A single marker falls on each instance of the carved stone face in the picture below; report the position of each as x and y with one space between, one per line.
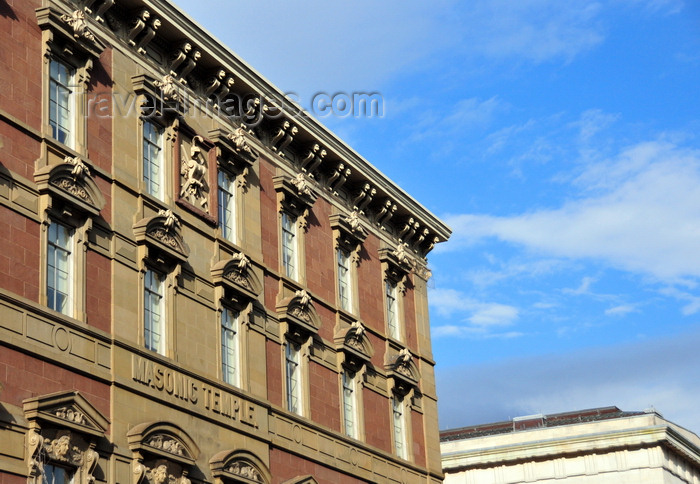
61 446
160 474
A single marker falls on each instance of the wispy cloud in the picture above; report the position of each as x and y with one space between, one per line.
638 212
474 318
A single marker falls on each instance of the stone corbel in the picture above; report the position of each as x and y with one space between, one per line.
183 61
35 460
338 178
148 34
408 230
215 82
283 138
385 214
313 160
138 472
364 198
101 10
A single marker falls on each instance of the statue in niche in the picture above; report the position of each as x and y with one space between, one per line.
193 172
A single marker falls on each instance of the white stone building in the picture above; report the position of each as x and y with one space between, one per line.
599 446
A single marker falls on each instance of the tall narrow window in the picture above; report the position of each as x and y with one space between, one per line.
154 313
344 280
230 367
293 377
62 102
289 245
399 424
392 317
153 159
59 280
56 475
227 222
350 406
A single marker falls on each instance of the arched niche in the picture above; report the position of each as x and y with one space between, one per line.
238 467
162 452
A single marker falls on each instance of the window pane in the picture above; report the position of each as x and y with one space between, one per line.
226 206
292 378
344 281
59 267
153 318
152 159
61 101
229 346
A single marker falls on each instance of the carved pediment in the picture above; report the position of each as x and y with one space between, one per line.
160 96
404 371
235 147
238 466
353 341
301 480
162 440
237 274
295 194
351 233
67 410
398 262
72 31
299 313
163 233
72 182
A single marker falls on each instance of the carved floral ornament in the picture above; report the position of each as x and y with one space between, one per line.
71 181
404 371
350 232
65 429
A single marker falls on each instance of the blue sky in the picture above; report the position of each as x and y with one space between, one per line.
560 142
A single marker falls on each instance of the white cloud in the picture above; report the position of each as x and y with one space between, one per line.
621 310
482 319
639 212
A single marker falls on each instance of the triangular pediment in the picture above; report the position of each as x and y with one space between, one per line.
68 410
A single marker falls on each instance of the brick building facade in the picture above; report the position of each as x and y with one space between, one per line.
198 282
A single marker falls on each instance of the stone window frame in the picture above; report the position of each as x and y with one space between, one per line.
238 467
402 402
354 354
349 234
237 287
67 38
64 430
162 453
299 324
295 198
396 266
68 195
235 157
162 249
160 104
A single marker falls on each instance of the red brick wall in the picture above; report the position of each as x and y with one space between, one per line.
99 122
268 216
98 289
274 372
371 287
19 257
12 479
377 422
418 438
409 316
285 466
320 257
25 376
20 66
19 151
324 398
